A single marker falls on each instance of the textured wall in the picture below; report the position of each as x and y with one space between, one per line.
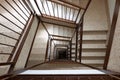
25 50
96 16
114 61
39 47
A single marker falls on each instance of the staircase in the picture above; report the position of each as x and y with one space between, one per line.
94 47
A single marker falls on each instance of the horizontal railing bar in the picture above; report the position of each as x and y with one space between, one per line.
20 8
61 40
10 29
12 14
7 44
56 18
8 36
6 53
15 10
24 7
60 36
11 22
7 63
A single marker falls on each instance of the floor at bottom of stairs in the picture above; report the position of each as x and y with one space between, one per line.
60 65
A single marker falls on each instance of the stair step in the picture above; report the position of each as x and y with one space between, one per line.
96 65
92 57
94 41
92 61
93 53
94 48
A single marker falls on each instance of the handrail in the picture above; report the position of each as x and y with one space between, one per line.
22 42
112 32
47 47
8 63
32 43
60 36
81 39
76 46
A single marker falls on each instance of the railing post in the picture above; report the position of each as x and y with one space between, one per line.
81 40
50 49
47 48
76 48
70 49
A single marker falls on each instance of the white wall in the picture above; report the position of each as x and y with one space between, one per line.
114 60
25 50
39 48
111 6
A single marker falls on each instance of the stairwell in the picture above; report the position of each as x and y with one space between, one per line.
41 35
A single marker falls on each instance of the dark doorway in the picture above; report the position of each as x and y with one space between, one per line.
62 54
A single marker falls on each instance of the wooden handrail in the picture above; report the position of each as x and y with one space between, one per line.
8 63
112 32
6 53
32 44
47 47
58 19
81 39
76 46
61 40
22 42
70 49
60 36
